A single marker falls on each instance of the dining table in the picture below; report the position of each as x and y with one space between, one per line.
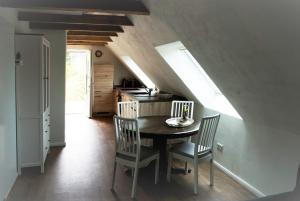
156 128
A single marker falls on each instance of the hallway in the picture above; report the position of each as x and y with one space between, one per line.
82 172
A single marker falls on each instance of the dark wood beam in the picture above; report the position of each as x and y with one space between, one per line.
86 43
85 27
109 6
75 19
94 38
91 33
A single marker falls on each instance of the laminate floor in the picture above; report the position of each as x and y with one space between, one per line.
82 171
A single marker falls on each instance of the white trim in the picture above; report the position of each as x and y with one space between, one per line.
10 189
34 164
245 184
57 144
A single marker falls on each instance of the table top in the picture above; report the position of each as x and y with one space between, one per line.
155 126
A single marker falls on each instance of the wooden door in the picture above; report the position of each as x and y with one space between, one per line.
103 89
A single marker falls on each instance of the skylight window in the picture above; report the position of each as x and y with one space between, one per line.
195 78
138 72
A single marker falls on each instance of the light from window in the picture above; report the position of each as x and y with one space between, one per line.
195 78
138 72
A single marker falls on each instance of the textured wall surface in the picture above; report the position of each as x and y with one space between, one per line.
250 49
8 147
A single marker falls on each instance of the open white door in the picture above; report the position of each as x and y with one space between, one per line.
88 99
78 82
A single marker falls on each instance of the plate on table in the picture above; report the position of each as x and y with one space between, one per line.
179 122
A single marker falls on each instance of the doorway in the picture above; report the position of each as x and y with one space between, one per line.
78 82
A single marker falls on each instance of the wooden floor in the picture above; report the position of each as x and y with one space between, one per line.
82 171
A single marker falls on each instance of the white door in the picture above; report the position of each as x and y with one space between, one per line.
78 82
87 99
46 102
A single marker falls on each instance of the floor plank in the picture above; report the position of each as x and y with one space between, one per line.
82 171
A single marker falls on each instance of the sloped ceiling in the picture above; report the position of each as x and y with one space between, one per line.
249 48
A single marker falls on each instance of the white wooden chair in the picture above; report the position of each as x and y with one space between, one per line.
178 107
177 110
129 151
199 151
131 110
128 109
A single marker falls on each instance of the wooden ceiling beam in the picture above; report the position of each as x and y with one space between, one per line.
109 6
85 27
94 38
86 43
91 33
75 19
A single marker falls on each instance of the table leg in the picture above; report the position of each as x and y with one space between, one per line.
160 143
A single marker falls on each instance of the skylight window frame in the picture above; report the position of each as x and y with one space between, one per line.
136 69
197 80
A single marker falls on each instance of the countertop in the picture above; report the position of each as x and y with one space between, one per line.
144 99
141 95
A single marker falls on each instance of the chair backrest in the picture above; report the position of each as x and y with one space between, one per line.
128 109
207 133
178 108
128 140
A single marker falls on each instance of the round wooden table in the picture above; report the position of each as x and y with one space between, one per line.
156 128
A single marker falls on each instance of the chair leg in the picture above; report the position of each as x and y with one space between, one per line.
212 172
157 170
186 168
114 176
133 191
195 178
169 167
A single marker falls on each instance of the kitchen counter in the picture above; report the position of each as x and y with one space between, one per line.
157 105
141 95
145 99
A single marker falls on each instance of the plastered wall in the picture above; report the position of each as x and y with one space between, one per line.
250 50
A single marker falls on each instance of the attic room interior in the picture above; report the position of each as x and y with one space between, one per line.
164 100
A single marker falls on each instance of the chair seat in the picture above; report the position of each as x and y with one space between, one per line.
187 149
146 152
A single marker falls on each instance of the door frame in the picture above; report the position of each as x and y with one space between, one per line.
90 70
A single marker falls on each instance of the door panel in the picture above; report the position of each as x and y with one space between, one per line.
88 108
103 88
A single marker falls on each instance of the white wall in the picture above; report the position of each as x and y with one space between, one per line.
121 71
8 162
251 51
8 147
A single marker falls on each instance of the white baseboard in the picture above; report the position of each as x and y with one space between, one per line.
245 184
10 189
26 165
57 144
